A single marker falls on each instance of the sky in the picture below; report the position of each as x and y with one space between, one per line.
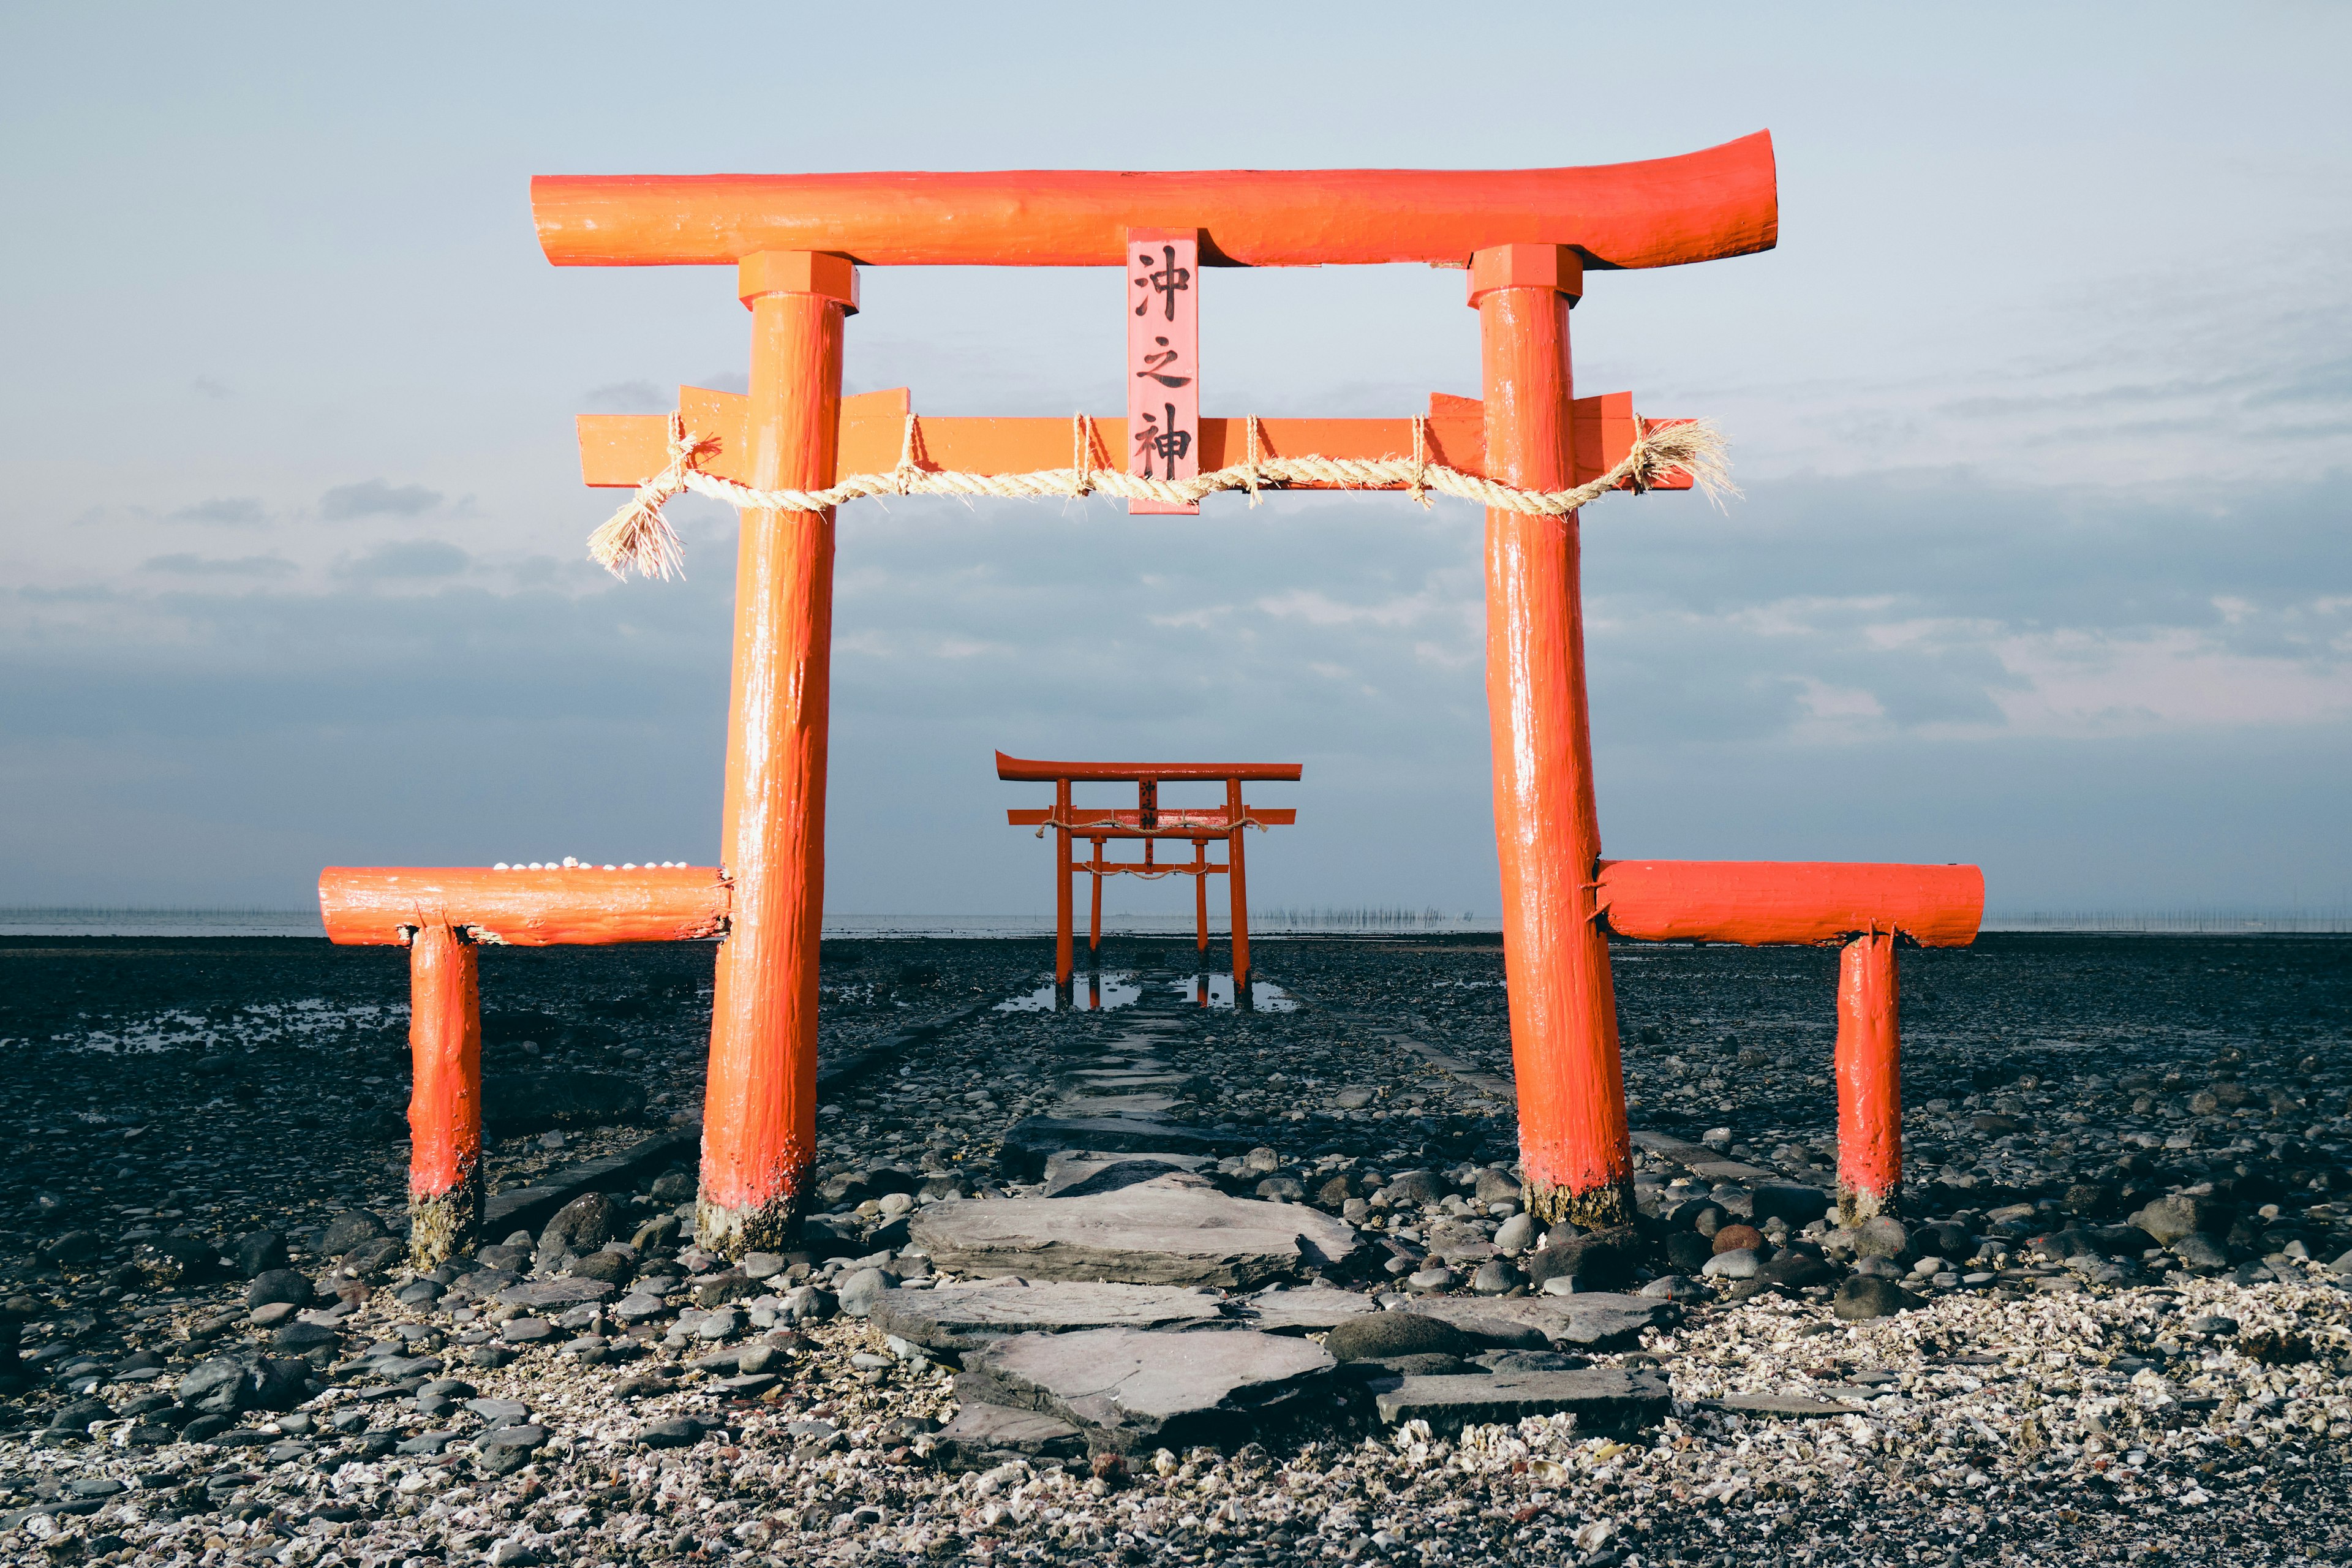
2041 408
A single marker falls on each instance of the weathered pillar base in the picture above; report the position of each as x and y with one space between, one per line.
1596 1208
729 1232
1856 1205
444 1224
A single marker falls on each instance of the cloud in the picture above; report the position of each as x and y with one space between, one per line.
205 387
213 566
242 512
407 560
373 497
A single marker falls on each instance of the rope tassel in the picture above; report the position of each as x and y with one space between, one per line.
639 536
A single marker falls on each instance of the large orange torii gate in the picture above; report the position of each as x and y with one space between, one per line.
1528 449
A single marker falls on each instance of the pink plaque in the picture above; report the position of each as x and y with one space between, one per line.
1163 358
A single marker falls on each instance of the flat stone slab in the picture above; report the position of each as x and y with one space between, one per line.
554 1292
1602 1398
1309 1311
1795 1407
979 1429
1117 1104
1127 1390
967 1317
1076 1173
1588 1319
1155 1233
1032 1138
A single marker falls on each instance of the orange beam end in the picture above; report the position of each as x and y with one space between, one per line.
1757 903
385 906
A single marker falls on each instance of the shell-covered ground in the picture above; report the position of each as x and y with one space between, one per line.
2173 1407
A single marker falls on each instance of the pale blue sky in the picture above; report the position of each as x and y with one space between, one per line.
2044 408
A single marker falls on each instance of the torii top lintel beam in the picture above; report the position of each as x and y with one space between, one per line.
1661 212
1024 769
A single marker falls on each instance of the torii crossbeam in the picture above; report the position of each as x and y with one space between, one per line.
1526 241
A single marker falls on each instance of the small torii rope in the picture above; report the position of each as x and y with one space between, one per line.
639 536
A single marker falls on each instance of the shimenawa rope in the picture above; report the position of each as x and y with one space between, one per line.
639 536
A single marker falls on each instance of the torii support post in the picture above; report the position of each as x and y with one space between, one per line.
1237 886
759 1115
1575 1158
1872 909
445 1103
1869 1079
443 916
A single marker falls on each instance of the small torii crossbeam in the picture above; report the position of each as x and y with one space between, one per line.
1151 823
1526 241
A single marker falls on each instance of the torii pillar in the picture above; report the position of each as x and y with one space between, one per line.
1575 1158
759 1118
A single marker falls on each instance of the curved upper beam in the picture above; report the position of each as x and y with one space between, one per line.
1661 212
1022 768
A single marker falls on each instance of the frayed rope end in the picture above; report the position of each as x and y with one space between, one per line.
1698 448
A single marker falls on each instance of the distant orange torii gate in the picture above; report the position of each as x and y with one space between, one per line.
1150 822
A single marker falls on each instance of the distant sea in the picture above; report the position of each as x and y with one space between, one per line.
263 922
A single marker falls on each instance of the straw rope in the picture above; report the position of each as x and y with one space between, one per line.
639 536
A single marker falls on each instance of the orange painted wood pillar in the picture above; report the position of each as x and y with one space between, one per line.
1237 887
1062 911
759 1119
1574 1155
1200 896
1869 1079
445 1102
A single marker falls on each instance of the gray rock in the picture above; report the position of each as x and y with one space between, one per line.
526 1331
582 1226
1797 1269
966 1317
724 1323
1129 1389
274 1285
1080 1173
1598 1260
979 1429
860 1291
1494 1276
371 1259
1157 1233
1493 1187
298 1339
1673 1288
1377 1336
500 1411
78 1415
679 1432
1276 1310
349 1229
2211 1323
2198 1250
1739 1263
554 1292
1415 1187
1882 1237
259 1252
1868 1296
2168 1219
1515 1233
524 1437
1603 1399
615 1268
1598 1320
